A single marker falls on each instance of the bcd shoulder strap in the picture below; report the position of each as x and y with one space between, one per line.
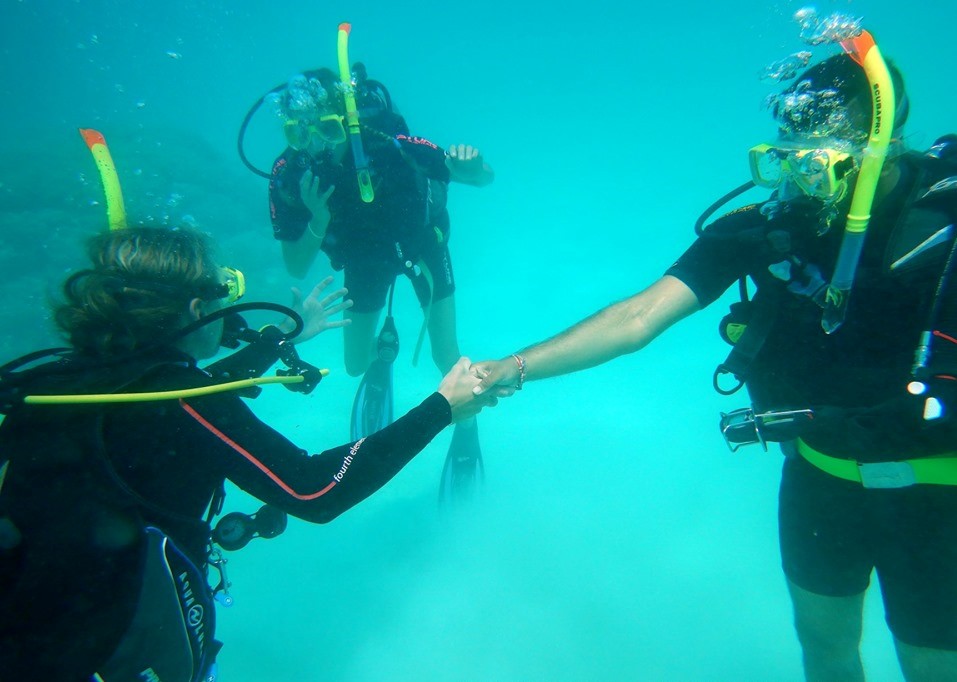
757 316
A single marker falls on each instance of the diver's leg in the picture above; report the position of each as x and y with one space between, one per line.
437 264
921 664
372 409
359 341
827 553
829 630
368 284
442 334
917 569
463 463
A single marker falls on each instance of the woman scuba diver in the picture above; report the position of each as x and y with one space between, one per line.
113 459
340 129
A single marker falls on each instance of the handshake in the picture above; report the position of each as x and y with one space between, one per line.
471 387
468 387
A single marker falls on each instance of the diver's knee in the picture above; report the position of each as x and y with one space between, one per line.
827 640
358 356
827 624
923 663
356 368
357 362
445 360
830 636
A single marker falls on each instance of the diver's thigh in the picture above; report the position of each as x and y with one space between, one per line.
825 532
917 564
368 282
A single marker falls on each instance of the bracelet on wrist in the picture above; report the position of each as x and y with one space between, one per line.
522 369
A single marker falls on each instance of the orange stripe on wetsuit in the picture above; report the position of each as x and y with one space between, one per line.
252 458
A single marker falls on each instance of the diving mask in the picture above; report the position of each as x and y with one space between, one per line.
232 287
820 173
329 130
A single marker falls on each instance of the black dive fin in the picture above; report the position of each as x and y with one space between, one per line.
372 409
463 470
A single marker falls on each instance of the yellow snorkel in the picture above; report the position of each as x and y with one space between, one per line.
352 116
115 211
862 50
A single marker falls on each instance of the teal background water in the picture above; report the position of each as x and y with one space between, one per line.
616 537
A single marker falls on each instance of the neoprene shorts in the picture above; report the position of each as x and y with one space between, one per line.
834 533
368 281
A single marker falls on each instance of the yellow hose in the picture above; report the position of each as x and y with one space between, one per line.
160 395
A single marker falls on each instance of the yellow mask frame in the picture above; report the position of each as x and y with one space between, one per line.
329 129
821 173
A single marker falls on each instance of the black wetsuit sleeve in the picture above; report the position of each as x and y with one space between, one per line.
288 214
426 156
318 487
719 257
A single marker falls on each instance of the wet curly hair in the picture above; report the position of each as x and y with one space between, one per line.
137 290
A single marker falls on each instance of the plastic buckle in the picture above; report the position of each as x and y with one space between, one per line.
885 475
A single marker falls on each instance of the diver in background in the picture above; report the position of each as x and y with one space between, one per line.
104 530
403 230
857 383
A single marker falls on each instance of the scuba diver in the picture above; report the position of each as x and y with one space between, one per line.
113 457
848 350
355 184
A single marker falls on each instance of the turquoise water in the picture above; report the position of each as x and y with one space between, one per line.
617 538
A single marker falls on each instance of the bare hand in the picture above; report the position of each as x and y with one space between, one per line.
316 309
317 202
498 378
465 164
458 388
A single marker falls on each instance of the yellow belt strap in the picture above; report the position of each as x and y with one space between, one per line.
935 470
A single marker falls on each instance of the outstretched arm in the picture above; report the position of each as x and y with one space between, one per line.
621 328
319 487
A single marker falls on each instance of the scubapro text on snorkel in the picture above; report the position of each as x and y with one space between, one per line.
878 109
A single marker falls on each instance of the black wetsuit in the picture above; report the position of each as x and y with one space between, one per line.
407 222
83 480
834 532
